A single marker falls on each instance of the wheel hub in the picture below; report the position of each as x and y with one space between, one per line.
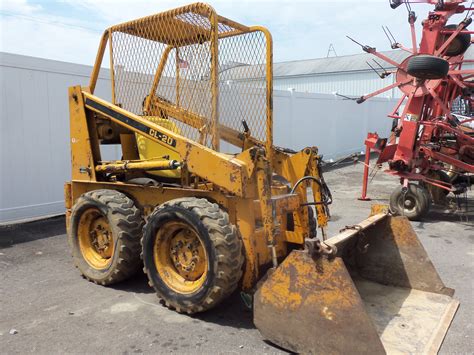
409 203
101 237
180 257
95 239
187 254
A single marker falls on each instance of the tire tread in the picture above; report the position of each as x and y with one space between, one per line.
229 252
128 219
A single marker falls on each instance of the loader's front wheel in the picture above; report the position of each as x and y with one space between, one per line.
192 254
105 236
414 203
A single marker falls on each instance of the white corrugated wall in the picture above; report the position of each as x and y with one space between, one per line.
349 84
344 83
34 126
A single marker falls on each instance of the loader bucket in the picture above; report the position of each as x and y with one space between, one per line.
379 294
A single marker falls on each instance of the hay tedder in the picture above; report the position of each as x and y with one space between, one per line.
431 150
202 197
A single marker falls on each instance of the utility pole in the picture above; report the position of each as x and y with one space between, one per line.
331 49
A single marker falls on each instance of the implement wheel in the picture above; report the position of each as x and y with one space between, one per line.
437 194
192 254
414 203
459 44
105 236
427 67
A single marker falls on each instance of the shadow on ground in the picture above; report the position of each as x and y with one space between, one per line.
232 312
26 232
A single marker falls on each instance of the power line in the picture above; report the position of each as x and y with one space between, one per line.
47 22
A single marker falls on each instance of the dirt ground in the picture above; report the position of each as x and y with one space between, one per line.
51 309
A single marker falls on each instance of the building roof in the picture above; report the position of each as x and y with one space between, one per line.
346 63
321 66
318 66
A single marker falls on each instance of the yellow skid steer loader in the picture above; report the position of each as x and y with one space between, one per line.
205 199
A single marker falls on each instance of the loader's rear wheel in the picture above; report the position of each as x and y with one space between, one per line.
192 254
105 236
414 203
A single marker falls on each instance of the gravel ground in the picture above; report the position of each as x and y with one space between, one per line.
54 310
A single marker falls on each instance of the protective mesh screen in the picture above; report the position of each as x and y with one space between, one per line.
242 85
169 55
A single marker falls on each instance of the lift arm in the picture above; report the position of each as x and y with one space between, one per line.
226 171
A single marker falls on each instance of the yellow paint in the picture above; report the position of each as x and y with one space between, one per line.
96 240
148 149
180 258
318 285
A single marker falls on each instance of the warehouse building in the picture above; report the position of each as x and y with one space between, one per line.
348 75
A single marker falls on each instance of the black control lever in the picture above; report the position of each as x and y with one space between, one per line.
246 127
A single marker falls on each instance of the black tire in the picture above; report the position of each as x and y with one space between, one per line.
442 176
460 43
437 193
218 237
126 224
427 67
414 204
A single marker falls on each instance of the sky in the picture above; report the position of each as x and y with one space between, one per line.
70 30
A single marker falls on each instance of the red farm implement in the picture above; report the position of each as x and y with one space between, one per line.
431 149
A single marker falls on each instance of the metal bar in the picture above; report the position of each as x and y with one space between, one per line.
399 103
365 179
123 166
385 58
459 82
231 23
448 41
343 237
156 79
267 208
98 62
112 68
451 31
449 160
441 104
269 96
462 71
196 121
451 129
403 48
438 183
378 92
178 60
215 139
413 37
322 216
